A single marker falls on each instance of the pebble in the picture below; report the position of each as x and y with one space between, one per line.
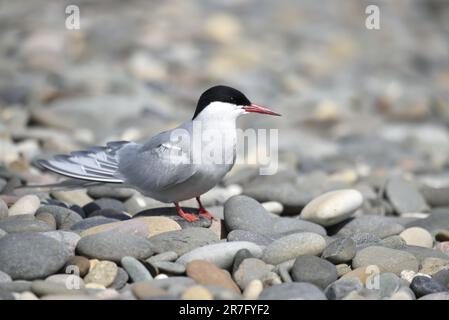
3 233
172 268
250 269
104 191
293 291
273 207
183 241
379 226
25 205
68 239
314 270
253 289
23 223
31 256
404 196
436 296
432 265
241 255
78 197
121 279
342 269
90 223
164 256
442 236
103 273
332 207
103 203
422 253
43 288
3 209
254 237
245 213
340 251
393 242
422 286
197 293
16 286
70 281
64 217
342 287
114 246
388 260
364 274
207 273
4 277
221 254
291 246
144 290
47 218
136 270
404 293
389 284
110 213
416 236
442 277
27 295
78 264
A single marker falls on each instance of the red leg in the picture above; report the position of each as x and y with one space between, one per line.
190 217
204 212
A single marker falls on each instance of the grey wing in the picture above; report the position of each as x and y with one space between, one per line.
98 164
158 164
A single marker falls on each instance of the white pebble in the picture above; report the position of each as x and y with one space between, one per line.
253 289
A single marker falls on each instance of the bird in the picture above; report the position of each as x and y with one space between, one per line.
162 167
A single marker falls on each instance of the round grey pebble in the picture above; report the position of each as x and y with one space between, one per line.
23 223
170 267
121 194
64 217
90 223
251 236
114 246
340 251
31 256
314 270
120 280
136 270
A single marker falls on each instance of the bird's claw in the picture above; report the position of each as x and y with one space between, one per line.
204 213
190 217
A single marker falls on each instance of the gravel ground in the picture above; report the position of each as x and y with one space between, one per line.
359 208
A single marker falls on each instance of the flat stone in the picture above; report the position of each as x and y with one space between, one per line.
422 253
164 256
47 218
377 225
245 213
388 260
253 289
104 203
25 205
365 274
436 296
43 288
114 246
442 277
220 254
70 281
292 246
312 269
170 267
332 207
183 241
121 194
393 242
16 286
206 273
432 265
389 284
30 256
434 223
292 291
144 291
23 223
64 217
78 196
416 236
103 273
254 237
110 213
136 270
363 240
404 196
91 222
340 250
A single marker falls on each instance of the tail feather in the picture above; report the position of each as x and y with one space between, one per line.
96 164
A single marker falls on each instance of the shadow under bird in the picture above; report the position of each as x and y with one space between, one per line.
162 168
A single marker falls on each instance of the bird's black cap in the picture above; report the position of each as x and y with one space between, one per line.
222 94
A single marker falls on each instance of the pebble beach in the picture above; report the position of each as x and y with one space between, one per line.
357 210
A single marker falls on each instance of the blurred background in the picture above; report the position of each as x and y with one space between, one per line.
355 102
